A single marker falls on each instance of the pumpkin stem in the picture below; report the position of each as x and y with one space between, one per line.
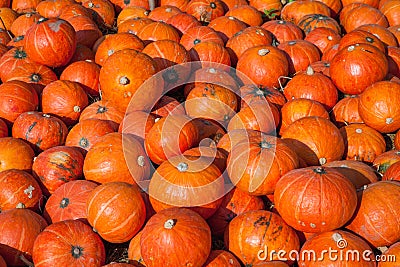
212 70
359 130
140 161
319 170
266 145
35 77
77 109
64 202
337 237
310 71
169 224
76 251
389 120
322 161
20 205
351 48
26 261
83 142
124 80
182 166
263 52
101 109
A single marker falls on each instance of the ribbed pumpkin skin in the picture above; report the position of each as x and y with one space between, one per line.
18 225
234 203
328 199
179 232
254 230
371 65
68 202
257 165
116 157
379 106
116 211
56 166
283 30
15 154
68 243
57 42
194 183
199 34
19 187
322 144
346 111
41 130
335 240
102 110
377 219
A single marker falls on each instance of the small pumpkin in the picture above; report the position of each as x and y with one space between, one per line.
221 258
103 110
205 10
345 111
15 154
199 34
283 30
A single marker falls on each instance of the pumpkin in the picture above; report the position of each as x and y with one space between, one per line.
300 54
251 93
21 24
86 73
42 131
209 131
16 97
252 232
233 137
246 13
357 172
102 10
169 137
211 102
388 9
120 85
379 106
86 133
12 59
24 6
175 230
341 241
299 108
315 187
247 38
167 105
390 256
360 15
8 16
182 22
212 154
321 66
323 38
119 4
227 26
221 258
384 34
158 30
15 154
65 99
68 202
205 10
103 110
263 65
19 224
283 30
134 253
393 56
359 36
248 174
260 116
313 146
121 217
370 62
51 8
56 166
346 112
312 21
117 42
293 12
195 183
116 157
272 7
133 25
131 12
35 74
163 13
385 160
330 52
362 142
210 54
68 243
86 29
70 11
198 34
367 222
392 173
57 42
19 188
312 85
138 124
233 204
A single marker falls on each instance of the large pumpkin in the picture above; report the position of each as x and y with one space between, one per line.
179 232
119 81
68 202
116 157
68 243
250 234
19 188
376 218
256 166
51 42
41 130
316 140
15 154
183 181
379 106
56 166
328 199
121 216
16 225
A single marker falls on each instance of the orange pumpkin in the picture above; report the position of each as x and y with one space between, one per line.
323 38
227 26
200 34
103 11
132 12
294 11
121 217
210 54
205 10
138 124
12 59
251 93
233 137
361 14
283 30
15 154
102 110
359 36
392 173
21 24
346 112
182 22
330 198
156 31
221 258
163 13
